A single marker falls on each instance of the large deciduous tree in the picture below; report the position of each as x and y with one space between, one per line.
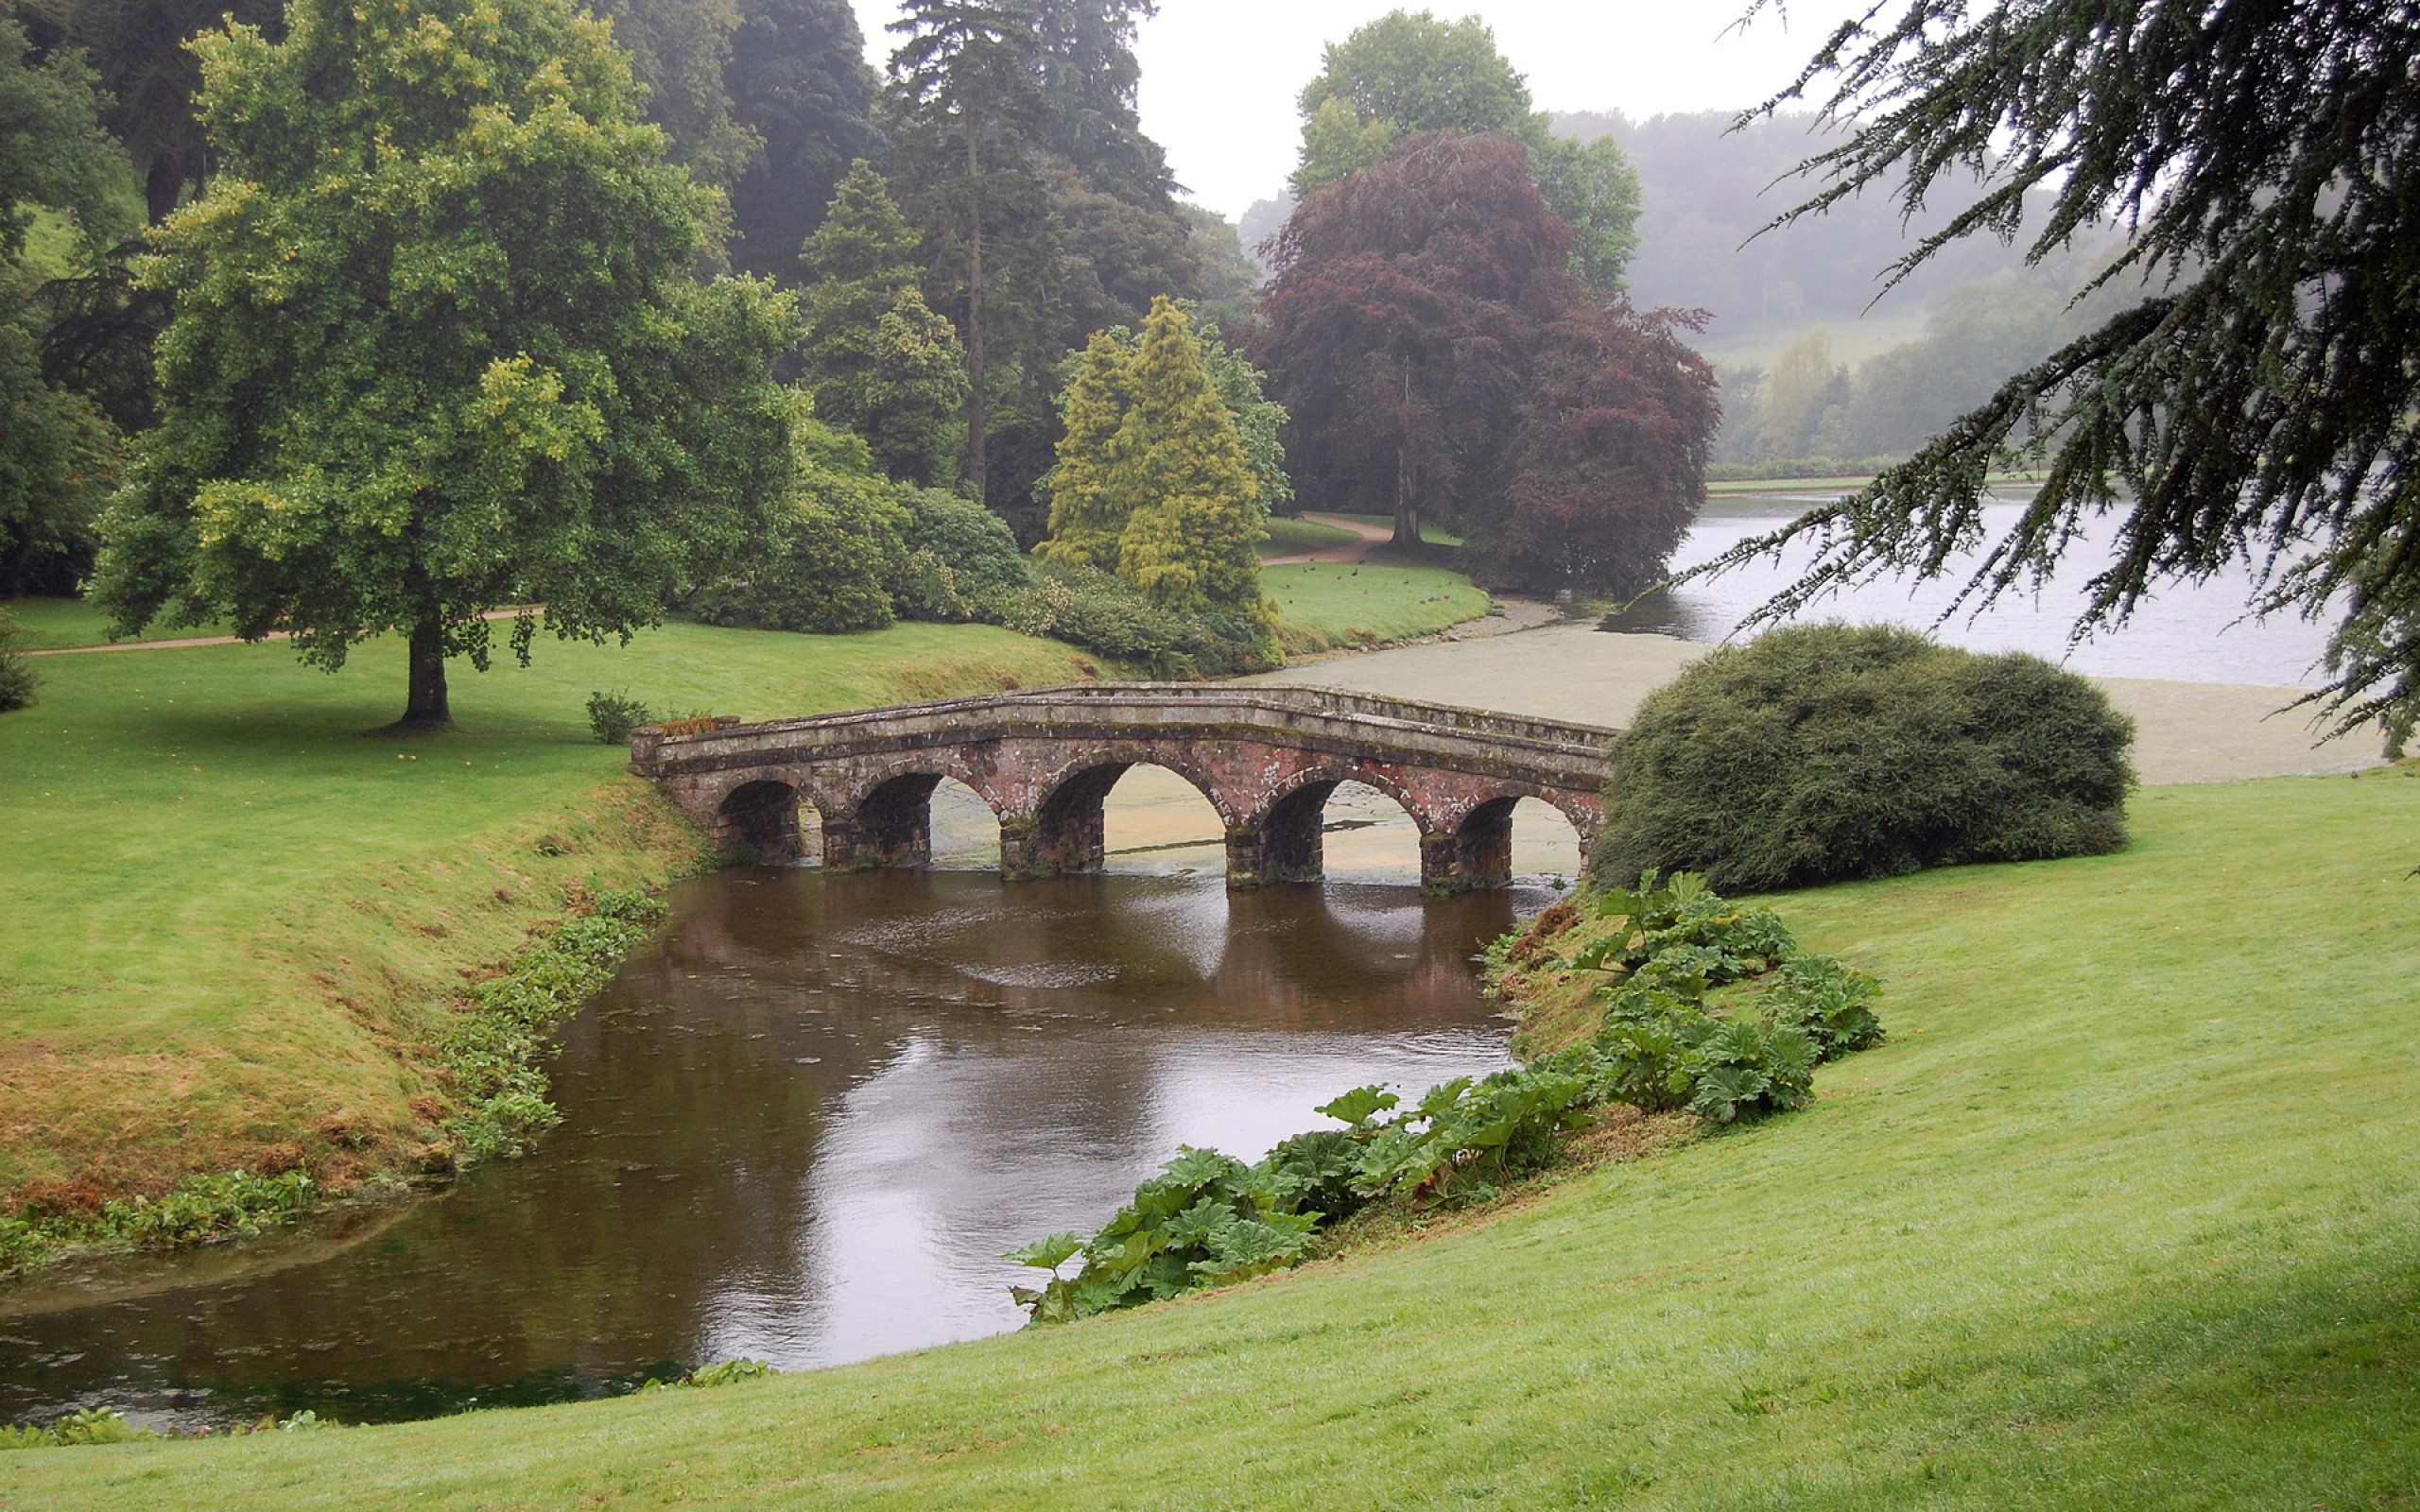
2255 401
1407 300
1408 72
437 347
57 453
1439 359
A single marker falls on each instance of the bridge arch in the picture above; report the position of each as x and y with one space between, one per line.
1066 830
1290 825
758 817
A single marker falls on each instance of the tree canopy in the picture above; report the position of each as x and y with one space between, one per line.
437 349
1153 483
2253 401
1408 72
1045 213
879 362
797 79
1439 359
57 453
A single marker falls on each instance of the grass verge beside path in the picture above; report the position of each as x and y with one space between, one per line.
49 623
2123 1216
1288 536
236 922
1324 605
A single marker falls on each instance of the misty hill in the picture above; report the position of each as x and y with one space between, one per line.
1707 191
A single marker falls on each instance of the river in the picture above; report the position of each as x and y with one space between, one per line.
803 1125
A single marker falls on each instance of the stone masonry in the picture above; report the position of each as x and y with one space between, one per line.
1267 758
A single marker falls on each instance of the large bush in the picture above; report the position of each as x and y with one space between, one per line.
962 560
826 557
1826 752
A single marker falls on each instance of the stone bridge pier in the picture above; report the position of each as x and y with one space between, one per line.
1267 758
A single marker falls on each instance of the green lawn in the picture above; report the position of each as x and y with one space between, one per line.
236 910
1288 537
1322 604
46 623
233 908
2124 1215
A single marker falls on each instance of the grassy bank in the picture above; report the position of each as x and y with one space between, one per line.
1321 606
2122 1215
238 922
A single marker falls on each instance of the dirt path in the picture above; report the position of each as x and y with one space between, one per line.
1372 537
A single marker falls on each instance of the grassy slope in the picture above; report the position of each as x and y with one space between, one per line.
230 911
1321 605
2123 1216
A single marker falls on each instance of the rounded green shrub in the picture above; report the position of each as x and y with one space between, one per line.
16 679
1826 752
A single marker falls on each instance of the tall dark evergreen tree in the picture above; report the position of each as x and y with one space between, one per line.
1085 52
968 112
2254 403
799 81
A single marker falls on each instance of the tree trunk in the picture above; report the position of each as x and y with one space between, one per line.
162 187
1406 505
426 704
974 397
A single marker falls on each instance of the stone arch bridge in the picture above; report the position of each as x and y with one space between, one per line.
1266 757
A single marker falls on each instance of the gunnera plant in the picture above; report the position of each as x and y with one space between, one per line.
1827 752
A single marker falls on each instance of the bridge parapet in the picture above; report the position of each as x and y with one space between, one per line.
1265 756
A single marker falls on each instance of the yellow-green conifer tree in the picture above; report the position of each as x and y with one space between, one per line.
1188 542
1091 494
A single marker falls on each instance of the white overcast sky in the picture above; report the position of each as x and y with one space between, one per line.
1219 77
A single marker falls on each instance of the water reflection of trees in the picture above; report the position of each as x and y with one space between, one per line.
677 1204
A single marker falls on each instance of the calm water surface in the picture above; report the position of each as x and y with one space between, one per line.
804 1125
2192 632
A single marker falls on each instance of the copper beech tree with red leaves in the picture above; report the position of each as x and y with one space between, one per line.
1439 362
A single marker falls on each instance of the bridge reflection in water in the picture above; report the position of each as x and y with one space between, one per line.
1267 758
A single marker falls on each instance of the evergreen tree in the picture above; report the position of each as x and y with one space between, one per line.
1152 481
966 108
2254 400
1189 542
439 349
879 362
798 80
1090 492
1085 50
679 49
